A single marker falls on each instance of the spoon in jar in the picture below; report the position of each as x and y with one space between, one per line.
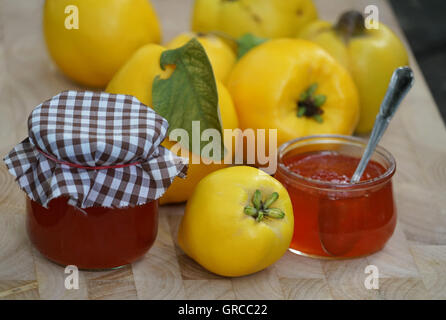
400 83
338 227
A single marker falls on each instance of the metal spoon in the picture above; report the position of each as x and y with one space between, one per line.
400 83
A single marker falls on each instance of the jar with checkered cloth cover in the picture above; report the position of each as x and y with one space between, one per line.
96 149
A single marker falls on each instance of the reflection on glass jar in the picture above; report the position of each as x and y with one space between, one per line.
333 217
92 238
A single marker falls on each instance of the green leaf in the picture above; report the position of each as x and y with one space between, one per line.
301 111
247 42
270 200
275 213
257 199
250 211
311 89
303 96
318 118
319 100
189 94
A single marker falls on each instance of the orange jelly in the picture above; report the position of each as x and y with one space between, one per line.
92 238
333 217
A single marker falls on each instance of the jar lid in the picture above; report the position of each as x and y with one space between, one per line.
97 149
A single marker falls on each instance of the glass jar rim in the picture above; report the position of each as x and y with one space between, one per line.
336 185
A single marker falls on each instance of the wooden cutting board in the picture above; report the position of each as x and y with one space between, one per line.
412 265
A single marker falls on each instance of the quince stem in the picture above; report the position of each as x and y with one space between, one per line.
309 104
350 24
261 209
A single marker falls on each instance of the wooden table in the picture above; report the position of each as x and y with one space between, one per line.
412 265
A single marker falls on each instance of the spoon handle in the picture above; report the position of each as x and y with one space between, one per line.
400 83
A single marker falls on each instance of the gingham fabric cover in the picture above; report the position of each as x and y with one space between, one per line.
94 129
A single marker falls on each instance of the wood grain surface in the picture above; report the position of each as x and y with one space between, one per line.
412 265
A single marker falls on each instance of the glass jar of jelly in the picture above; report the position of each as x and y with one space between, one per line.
93 169
335 218
92 238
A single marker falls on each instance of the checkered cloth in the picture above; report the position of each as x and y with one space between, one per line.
97 149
